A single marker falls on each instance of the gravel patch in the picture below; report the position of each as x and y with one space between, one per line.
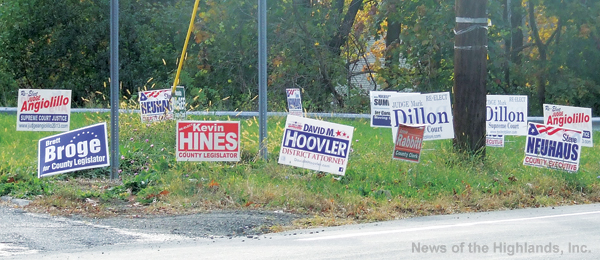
232 223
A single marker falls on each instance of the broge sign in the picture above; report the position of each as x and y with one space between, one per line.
80 149
208 141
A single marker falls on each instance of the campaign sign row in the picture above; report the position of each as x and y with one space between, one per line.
505 115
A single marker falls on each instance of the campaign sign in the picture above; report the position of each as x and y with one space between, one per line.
571 117
315 145
208 141
80 149
380 107
44 110
179 113
294 101
494 140
156 105
553 147
433 110
506 115
409 142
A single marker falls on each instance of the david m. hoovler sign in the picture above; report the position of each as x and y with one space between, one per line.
316 145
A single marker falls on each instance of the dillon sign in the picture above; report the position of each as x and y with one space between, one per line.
433 110
506 115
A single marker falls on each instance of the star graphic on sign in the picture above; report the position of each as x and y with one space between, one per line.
338 133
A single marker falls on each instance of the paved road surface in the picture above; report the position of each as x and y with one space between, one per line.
570 232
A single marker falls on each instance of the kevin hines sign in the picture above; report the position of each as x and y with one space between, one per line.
409 142
571 117
316 145
80 149
208 141
156 105
553 147
506 115
433 110
294 101
44 110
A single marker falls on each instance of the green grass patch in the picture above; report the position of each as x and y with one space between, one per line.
375 187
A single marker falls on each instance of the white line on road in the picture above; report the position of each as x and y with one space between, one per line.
444 226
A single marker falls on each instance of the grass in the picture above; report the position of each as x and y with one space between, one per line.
374 188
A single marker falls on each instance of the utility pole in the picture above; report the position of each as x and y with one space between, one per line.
470 72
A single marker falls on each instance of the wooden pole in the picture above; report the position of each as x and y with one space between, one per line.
470 72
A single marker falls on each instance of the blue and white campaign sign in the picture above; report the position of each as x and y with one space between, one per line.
316 145
571 117
294 100
44 110
380 107
506 115
80 149
156 105
433 110
553 147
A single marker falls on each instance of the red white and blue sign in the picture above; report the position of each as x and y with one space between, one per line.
316 145
294 100
553 147
80 149
156 105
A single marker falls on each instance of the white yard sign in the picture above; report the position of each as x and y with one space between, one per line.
294 100
44 110
316 145
506 115
571 117
433 110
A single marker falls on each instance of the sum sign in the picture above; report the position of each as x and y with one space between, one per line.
208 141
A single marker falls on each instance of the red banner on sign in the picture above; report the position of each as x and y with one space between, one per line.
409 141
208 141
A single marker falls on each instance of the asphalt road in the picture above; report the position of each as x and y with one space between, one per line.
570 232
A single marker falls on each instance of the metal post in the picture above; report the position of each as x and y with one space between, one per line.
262 77
114 89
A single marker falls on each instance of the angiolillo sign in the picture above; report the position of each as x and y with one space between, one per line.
44 110
80 149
